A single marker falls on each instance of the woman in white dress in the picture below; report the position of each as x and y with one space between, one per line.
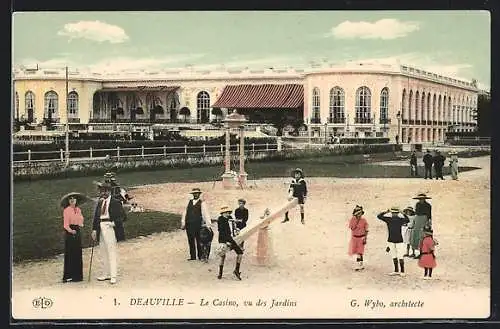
406 230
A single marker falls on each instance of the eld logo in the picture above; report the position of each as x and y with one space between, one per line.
42 302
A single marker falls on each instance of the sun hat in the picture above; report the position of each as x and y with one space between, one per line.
422 196
225 209
80 199
195 190
394 209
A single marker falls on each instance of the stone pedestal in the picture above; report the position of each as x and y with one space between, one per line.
263 252
228 180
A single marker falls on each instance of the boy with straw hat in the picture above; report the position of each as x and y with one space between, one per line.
226 242
395 220
359 232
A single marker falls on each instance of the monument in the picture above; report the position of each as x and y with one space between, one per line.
231 179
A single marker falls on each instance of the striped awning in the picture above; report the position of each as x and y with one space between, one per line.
261 96
142 88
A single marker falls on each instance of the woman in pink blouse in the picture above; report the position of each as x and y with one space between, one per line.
73 222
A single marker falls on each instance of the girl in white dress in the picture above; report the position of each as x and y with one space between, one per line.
407 229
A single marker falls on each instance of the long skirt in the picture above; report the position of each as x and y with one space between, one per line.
356 246
417 231
73 263
406 233
454 170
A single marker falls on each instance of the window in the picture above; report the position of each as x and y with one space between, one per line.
384 105
417 104
363 105
434 107
16 107
73 104
403 106
439 109
422 108
203 106
410 107
316 118
337 100
29 101
429 118
51 104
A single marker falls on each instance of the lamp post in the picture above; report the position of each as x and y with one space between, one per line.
67 120
398 116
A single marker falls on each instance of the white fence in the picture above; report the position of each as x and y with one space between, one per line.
29 156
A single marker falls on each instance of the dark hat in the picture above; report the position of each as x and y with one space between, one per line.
242 201
422 196
195 191
428 151
358 211
298 170
80 199
428 230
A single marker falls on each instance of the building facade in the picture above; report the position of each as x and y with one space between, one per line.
357 100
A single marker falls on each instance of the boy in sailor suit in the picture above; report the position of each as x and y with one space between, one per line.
297 189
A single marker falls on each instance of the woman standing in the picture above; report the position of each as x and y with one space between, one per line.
72 223
454 165
423 217
359 231
407 229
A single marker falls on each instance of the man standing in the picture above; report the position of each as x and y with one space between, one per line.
193 218
241 217
439 160
395 220
107 228
413 164
428 164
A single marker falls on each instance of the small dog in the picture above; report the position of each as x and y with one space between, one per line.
206 237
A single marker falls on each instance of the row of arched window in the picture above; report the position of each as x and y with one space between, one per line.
414 107
337 105
422 106
50 104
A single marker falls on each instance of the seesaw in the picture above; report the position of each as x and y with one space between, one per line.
261 226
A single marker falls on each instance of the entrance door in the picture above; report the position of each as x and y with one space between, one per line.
30 115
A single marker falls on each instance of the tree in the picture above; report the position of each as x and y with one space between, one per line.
483 114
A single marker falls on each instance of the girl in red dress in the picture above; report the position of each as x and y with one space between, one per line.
427 258
359 232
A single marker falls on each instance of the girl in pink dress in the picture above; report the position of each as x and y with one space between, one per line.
359 231
72 223
427 258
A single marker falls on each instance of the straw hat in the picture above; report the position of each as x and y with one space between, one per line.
80 199
409 210
422 196
225 209
195 191
394 209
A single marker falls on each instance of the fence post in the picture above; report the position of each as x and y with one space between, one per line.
253 147
91 152
204 149
237 148
62 155
221 148
267 146
164 150
142 151
29 156
185 149
118 152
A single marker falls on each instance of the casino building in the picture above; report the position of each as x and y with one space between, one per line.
355 99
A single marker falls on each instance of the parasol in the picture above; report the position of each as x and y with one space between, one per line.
80 199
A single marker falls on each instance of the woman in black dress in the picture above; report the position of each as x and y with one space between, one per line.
73 222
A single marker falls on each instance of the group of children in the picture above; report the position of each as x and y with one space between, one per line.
406 229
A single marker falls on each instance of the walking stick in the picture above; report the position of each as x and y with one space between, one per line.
91 257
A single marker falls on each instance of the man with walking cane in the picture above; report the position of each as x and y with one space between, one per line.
108 229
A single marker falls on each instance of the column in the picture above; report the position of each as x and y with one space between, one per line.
227 158
243 175
262 256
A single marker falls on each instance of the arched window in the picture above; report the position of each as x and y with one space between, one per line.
417 105
384 106
403 106
363 105
429 117
337 99
174 107
203 107
316 117
450 117
422 109
73 104
434 99
51 105
16 106
410 106
439 109
443 112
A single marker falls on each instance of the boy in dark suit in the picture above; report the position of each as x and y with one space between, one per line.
297 189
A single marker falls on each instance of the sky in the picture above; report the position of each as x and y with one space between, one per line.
453 43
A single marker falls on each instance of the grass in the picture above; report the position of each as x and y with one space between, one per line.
37 217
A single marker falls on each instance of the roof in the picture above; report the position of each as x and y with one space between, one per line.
142 88
261 96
